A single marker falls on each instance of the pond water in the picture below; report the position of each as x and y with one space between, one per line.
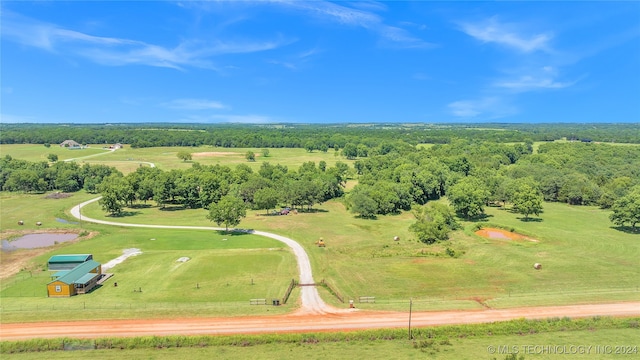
33 241
492 233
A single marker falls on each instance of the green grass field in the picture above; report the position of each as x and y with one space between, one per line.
225 270
38 152
128 159
584 258
599 341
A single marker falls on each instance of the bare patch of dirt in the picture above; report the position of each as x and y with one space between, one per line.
217 153
58 195
297 322
492 233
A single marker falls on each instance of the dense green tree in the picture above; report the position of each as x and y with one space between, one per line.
266 198
163 188
526 199
350 151
184 155
22 180
116 191
434 222
265 152
577 189
52 157
626 210
250 155
310 146
469 196
228 211
213 186
322 165
362 204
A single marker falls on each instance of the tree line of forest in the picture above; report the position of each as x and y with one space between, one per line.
393 177
311 137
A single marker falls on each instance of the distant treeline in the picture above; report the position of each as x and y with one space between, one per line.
312 137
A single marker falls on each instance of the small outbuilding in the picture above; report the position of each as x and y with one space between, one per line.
67 261
82 279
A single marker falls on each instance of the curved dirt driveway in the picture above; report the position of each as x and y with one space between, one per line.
319 317
311 301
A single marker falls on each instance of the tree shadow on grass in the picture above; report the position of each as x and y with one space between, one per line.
478 218
124 214
312 211
140 206
524 219
172 208
627 229
235 232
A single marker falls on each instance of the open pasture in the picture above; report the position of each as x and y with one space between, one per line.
223 273
128 159
38 152
584 259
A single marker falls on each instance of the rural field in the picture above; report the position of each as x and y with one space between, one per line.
584 260
129 159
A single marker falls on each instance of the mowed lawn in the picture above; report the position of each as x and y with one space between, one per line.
584 258
38 152
128 159
223 273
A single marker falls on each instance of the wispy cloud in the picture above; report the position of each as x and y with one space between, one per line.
195 104
531 69
362 17
295 61
507 34
527 83
487 107
117 51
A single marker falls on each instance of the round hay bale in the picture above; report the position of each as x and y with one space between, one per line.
537 266
396 238
20 222
38 223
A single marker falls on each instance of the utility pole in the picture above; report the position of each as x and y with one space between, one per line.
410 308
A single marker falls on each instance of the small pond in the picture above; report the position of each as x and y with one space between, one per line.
33 241
492 233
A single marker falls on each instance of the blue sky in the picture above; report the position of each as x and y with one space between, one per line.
319 62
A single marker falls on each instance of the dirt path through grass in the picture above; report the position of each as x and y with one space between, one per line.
312 303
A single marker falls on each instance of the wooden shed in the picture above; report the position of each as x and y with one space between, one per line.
80 280
67 261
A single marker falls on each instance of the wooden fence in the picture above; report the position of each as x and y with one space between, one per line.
332 290
285 298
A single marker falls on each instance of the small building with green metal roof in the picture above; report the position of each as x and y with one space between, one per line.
80 280
67 261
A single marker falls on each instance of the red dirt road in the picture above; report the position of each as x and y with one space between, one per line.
340 321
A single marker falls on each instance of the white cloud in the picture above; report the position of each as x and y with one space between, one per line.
530 79
510 35
117 52
195 104
358 17
487 107
527 83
